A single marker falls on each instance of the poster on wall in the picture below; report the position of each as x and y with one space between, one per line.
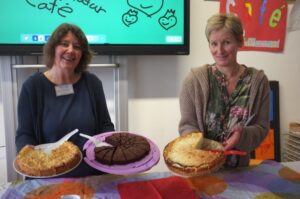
264 22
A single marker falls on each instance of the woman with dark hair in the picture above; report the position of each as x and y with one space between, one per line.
64 97
226 101
55 39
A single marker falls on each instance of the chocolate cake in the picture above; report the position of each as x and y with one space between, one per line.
126 148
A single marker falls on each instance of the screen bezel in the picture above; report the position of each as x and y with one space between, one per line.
115 49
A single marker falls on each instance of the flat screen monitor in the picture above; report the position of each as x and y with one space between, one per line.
118 27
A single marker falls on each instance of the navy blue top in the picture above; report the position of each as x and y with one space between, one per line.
44 117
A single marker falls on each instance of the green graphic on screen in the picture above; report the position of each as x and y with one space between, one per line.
103 21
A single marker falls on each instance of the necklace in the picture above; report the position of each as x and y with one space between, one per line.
234 73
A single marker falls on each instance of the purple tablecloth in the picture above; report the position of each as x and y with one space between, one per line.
267 180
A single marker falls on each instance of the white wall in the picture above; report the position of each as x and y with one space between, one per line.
155 81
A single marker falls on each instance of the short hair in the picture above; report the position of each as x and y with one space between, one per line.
55 39
230 22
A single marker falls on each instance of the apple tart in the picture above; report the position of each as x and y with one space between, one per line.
33 162
189 155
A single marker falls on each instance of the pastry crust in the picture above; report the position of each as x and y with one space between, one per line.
188 156
37 163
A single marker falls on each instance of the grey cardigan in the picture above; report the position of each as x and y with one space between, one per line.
193 104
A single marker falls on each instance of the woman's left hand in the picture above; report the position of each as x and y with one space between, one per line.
233 139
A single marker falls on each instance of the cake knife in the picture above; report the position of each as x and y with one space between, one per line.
98 143
48 147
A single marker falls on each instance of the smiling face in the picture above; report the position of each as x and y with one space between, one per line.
68 53
149 7
223 47
130 17
168 20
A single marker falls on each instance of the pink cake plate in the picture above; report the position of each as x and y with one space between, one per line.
142 165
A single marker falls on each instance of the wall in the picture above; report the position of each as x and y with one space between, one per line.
155 81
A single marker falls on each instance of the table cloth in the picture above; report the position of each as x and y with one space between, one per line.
269 179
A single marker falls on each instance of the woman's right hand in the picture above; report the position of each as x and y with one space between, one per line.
233 139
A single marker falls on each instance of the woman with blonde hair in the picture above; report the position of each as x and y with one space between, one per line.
226 101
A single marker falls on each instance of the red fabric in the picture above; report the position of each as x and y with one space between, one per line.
165 188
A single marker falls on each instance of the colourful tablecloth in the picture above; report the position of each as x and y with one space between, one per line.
268 180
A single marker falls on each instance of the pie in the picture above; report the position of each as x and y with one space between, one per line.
38 163
188 155
126 148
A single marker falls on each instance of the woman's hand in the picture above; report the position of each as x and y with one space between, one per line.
233 139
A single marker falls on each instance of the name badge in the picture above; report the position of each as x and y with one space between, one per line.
65 89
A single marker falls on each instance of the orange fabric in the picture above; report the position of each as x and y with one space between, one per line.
266 150
208 185
255 162
55 191
165 188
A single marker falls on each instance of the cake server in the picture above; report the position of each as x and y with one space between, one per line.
228 152
48 147
97 143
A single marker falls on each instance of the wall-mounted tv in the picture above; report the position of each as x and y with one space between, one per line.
118 27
